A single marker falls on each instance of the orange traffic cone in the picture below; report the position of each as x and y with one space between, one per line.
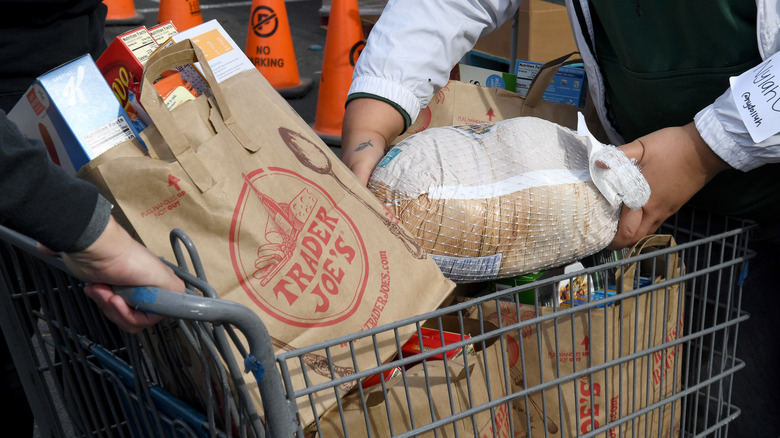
122 12
269 45
343 44
183 13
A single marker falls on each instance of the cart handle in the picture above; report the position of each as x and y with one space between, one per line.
279 413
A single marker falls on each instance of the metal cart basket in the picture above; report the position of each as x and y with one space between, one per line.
655 359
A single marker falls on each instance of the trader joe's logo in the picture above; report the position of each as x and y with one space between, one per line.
297 255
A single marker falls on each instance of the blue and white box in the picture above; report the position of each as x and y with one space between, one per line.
74 112
569 86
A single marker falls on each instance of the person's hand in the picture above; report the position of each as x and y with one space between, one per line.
115 258
117 310
369 125
677 163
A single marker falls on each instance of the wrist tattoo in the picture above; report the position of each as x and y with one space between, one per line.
364 145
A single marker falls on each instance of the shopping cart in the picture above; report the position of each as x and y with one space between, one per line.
84 377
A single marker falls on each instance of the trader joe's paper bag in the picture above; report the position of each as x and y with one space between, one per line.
562 346
282 226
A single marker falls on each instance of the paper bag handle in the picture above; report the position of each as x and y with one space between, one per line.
626 280
179 54
543 78
650 241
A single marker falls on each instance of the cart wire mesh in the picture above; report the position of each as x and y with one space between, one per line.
658 360
83 376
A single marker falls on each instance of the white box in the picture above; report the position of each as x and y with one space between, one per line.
74 112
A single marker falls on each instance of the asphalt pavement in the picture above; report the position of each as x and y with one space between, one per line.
306 28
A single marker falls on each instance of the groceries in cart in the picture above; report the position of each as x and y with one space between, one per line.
617 371
84 108
579 289
122 65
292 235
330 271
507 198
576 289
174 89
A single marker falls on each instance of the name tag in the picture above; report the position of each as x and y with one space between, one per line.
757 96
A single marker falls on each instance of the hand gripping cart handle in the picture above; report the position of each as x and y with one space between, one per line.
260 361
61 336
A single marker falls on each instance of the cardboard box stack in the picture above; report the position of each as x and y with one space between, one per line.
544 33
569 85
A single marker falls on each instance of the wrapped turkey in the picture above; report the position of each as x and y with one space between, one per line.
501 199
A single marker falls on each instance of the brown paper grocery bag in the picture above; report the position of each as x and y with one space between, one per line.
534 359
281 225
461 103
434 392
649 320
591 339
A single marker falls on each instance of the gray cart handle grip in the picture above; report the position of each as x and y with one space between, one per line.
279 414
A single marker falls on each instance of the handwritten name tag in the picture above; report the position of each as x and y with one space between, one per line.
757 96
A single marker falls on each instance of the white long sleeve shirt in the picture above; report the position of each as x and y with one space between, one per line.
415 44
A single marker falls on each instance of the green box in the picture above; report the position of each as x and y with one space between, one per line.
523 297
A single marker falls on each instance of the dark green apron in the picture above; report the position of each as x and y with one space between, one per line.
665 60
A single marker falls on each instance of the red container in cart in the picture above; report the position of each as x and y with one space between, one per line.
431 340
426 339
376 379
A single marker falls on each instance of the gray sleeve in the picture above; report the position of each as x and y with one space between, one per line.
97 224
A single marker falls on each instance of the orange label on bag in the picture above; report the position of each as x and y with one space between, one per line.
212 43
311 268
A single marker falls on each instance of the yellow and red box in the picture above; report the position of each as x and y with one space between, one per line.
122 65
163 31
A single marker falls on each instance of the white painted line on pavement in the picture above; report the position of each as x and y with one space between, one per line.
210 6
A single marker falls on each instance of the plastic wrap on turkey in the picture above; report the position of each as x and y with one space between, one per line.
497 200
